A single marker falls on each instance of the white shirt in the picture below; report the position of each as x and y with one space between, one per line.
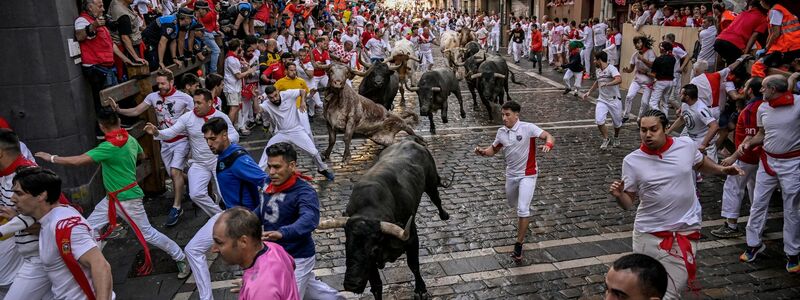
704 88
519 147
781 127
641 69
359 20
678 53
376 48
352 38
707 38
495 26
169 109
599 33
667 198
231 84
608 93
286 116
284 43
588 37
26 244
63 283
696 118
192 126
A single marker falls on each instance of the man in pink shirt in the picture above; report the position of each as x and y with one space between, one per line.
268 269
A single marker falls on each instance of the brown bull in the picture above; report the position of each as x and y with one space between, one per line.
347 111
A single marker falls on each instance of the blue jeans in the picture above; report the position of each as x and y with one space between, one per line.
208 40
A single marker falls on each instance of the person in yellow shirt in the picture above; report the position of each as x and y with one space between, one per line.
346 16
292 82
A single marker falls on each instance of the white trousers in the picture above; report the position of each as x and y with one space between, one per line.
196 255
200 176
305 123
586 57
308 286
519 194
578 77
135 210
659 97
10 261
301 140
606 107
245 114
427 59
494 41
733 190
317 82
633 90
676 88
788 177
648 244
526 46
31 282
516 50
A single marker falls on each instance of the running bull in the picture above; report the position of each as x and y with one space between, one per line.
492 80
379 224
433 89
380 83
347 111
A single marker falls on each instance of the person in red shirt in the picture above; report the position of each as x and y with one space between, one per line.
277 70
368 34
320 58
747 160
536 47
749 26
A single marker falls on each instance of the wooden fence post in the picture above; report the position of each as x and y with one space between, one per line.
153 184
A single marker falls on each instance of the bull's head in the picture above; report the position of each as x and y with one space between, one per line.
381 73
455 56
488 82
338 75
365 241
472 63
425 93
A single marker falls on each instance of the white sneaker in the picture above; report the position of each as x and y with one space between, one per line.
616 142
605 143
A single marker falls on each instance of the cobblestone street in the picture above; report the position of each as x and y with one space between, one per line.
577 228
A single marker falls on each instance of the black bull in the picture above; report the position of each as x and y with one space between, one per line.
489 76
380 84
433 89
384 199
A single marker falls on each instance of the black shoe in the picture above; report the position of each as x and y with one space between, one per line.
566 91
517 254
625 119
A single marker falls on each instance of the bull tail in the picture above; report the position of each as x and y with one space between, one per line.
449 183
514 79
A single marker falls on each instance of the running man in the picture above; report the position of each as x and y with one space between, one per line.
668 210
117 156
169 104
517 140
609 100
36 194
285 116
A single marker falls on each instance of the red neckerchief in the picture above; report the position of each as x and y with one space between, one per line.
231 53
170 93
117 137
660 151
20 161
783 100
207 115
274 189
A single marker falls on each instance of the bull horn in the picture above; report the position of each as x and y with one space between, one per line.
436 89
396 231
388 59
498 75
458 64
363 62
393 67
357 72
475 76
410 88
446 50
337 222
414 58
480 60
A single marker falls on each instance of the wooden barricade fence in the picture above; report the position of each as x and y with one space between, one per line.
148 171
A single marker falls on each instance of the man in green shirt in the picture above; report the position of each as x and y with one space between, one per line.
117 156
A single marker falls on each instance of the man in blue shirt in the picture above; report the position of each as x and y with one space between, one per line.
239 179
289 212
163 33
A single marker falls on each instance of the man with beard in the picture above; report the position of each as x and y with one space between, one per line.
669 212
285 116
289 213
239 179
169 104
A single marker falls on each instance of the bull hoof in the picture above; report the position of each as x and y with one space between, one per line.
444 216
463 114
421 295
444 120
